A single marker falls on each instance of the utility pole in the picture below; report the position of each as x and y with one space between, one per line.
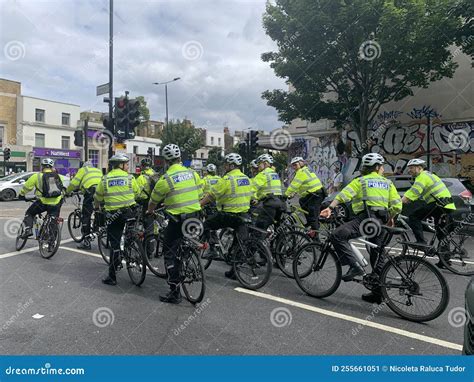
86 143
111 68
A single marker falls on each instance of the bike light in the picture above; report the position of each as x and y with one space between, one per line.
205 246
466 196
60 220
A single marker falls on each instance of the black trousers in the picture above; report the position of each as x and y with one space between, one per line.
147 219
38 208
115 224
351 230
172 236
271 210
224 220
417 212
87 209
312 204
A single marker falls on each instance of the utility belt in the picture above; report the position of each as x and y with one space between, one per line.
375 212
179 218
319 193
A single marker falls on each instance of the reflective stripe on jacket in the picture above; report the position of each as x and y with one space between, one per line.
426 185
233 192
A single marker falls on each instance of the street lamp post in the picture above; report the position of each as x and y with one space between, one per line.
166 94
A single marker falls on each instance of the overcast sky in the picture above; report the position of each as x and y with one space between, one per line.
58 50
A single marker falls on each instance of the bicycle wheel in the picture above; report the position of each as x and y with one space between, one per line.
254 268
21 238
457 258
192 276
287 245
74 225
104 246
317 273
413 288
49 239
136 263
155 260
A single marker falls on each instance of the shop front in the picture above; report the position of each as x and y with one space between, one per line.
66 162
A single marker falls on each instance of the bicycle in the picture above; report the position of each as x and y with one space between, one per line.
402 279
47 230
74 222
154 245
250 259
131 250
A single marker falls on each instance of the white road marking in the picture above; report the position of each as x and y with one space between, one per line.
82 252
375 325
32 249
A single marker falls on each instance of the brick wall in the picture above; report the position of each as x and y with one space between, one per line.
9 90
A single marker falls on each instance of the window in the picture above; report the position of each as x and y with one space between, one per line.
39 140
135 149
219 141
94 157
212 140
66 119
202 155
2 129
65 143
39 115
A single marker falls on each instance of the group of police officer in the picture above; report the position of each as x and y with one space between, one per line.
183 194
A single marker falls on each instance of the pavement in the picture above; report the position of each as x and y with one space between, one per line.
60 306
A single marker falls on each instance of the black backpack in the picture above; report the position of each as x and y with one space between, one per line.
52 185
152 179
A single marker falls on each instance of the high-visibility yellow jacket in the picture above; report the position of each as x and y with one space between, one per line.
117 189
233 192
426 185
209 182
267 182
304 182
85 178
180 188
144 182
377 191
35 181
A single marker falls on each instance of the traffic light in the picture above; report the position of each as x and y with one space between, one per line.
120 117
253 141
150 151
133 114
6 154
78 138
108 123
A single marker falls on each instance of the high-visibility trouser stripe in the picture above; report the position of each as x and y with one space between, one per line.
182 204
119 193
124 203
183 190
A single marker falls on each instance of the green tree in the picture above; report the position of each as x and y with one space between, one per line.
465 35
144 111
185 135
280 161
346 58
215 157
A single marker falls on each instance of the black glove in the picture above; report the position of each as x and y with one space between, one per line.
21 197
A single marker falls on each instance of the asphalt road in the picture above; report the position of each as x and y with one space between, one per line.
60 306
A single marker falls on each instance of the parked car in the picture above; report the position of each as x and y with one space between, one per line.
468 348
462 197
11 185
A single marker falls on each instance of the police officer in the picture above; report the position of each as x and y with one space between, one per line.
232 194
179 187
310 189
374 201
52 205
146 184
267 186
254 168
86 180
421 202
118 191
211 178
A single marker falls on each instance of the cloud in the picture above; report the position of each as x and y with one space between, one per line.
66 56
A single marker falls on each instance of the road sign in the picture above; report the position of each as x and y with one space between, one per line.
103 89
120 147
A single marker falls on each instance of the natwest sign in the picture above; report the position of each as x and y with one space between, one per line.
55 153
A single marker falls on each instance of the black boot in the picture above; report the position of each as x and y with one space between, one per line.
354 270
109 281
230 274
86 244
172 297
373 297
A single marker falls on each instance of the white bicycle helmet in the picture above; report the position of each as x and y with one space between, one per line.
416 162
296 160
233 158
254 164
265 158
119 158
372 159
47 162
171 151
88 164
211 168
